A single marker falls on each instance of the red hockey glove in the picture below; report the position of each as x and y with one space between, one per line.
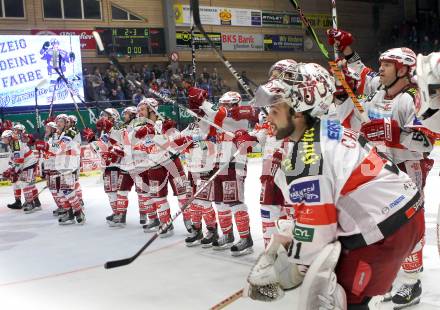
384 129
144 130
196 97
49 119
340 37
116 151
41 145
239 113
187 141
103 124
28 139
6 125
88 134
243 137
11 174
168 124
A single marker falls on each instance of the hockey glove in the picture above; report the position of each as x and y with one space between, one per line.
196 97
104 124
41 145
145 130
244 141
239 113
88 134
383 130
340 38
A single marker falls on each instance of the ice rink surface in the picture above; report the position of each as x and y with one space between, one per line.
45 266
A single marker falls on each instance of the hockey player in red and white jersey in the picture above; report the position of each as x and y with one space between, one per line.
67 154
73 125
50 173
391 101
347 195
155 166
428 80
22 167
200 164
229 185
110 151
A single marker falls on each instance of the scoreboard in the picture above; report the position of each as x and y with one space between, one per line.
132 41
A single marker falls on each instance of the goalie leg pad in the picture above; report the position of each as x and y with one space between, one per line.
320 287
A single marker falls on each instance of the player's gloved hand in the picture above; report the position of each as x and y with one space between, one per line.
11 174
88 134
6 125
104 124
340 38
72 56
243 112
49 119
41 145
196 97
385 130
243 140
46 45
168 124
7 173
144 130
29 139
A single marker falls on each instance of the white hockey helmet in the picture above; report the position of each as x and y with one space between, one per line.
279 67
111 113
150 102
131 110
62 116
52 125
73 119
400 56
230 98
7 134
428 80
19 127
303 86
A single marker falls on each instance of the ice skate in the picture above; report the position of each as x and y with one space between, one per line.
224 242
211 236
167 233
242 247
66 217
15 205
194 238
407 295
151 226
119 220
80 217
30 207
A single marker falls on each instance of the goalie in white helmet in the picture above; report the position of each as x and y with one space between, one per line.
342 189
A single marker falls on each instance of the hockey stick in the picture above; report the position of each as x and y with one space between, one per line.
438 230
37 109
335 24
228 300
164 227
336 70
197 22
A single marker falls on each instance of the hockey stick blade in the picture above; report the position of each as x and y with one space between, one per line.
98 41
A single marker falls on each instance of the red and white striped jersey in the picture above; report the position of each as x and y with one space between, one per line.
21 155
342 188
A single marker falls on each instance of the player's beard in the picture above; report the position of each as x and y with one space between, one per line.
285 132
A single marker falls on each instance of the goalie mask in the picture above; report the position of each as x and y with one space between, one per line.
428 80
304 87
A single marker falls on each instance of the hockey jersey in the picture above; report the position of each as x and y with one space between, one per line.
378 105
21 155
342 188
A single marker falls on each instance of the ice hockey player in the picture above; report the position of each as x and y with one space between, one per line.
428 80
73 125
23 168
151 148
67 152
51 175
200 164
347 195
391 101
228 186
110 151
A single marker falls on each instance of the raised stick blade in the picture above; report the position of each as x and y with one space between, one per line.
98 41
117 263
196 12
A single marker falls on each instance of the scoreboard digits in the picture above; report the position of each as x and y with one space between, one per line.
132 41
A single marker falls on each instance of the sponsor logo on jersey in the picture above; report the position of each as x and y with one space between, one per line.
306 191
265 214
304 234
333 130
393 204
309 156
